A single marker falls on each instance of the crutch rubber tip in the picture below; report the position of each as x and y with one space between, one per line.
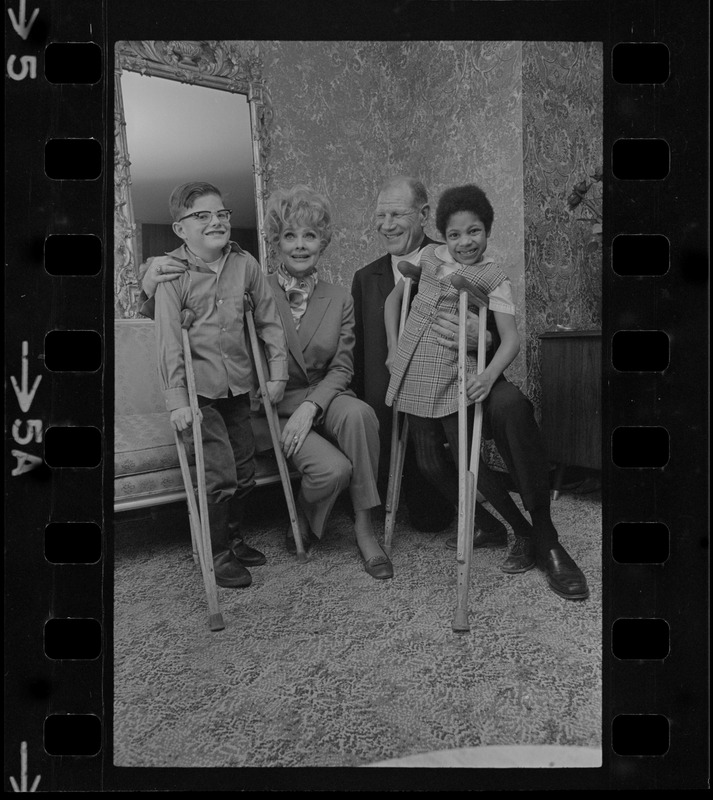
216 623
302 558
460 624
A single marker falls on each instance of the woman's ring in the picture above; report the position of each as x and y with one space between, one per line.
159 269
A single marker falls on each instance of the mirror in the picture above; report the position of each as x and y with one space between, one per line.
184 111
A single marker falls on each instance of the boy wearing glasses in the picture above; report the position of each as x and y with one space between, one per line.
209 274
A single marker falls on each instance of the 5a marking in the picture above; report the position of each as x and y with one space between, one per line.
33 427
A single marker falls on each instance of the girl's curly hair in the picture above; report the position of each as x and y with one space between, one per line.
464 198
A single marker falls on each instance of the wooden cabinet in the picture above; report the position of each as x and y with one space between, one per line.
571 368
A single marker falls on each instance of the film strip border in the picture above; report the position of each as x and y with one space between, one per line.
55 356
654 520
58 302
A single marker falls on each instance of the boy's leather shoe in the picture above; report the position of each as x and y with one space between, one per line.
564 577
229 573
521 557
247 555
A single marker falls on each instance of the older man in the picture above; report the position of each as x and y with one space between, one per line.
401 214
402 211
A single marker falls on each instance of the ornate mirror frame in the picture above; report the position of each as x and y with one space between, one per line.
229 66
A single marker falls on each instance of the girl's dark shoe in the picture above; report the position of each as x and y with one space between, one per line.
521 557
489 531
486 523
482 538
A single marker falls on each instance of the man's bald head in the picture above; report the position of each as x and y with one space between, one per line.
418 191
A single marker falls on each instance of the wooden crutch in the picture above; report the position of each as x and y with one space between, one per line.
274 426
198 515
467 475
399 422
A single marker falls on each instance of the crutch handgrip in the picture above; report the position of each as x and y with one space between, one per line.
187 318
409 270
475 295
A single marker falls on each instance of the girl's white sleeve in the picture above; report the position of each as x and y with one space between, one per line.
501 298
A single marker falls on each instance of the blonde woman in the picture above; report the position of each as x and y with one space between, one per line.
329 434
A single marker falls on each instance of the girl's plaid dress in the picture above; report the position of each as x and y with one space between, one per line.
424 376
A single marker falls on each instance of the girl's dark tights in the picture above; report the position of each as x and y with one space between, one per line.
426 435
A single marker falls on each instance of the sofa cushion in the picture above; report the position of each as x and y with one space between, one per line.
149 484
145 443
136 385
157 485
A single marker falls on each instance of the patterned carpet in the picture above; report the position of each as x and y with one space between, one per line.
320 665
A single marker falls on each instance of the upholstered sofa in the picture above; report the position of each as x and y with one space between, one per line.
146 469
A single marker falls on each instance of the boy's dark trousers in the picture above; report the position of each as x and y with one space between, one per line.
229 457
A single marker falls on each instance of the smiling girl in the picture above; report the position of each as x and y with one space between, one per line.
424 372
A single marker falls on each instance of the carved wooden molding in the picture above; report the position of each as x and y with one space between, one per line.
229 66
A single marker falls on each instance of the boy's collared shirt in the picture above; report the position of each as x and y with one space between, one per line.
219 344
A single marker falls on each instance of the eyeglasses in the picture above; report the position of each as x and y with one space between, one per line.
206 216
396 216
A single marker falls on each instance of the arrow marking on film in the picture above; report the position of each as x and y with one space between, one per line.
25 397
23 773
19 22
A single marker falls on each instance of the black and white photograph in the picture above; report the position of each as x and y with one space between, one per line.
356 628
356 395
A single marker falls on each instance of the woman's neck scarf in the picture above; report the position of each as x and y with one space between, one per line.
297 290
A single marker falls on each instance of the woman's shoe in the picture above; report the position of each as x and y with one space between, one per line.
379 567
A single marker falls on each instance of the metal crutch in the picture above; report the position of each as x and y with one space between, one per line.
274 426
467 475
198 516
399 438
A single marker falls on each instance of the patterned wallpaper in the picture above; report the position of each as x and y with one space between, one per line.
562 132
347 115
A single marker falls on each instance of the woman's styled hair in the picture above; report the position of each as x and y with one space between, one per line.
298 207
464 198
185 195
